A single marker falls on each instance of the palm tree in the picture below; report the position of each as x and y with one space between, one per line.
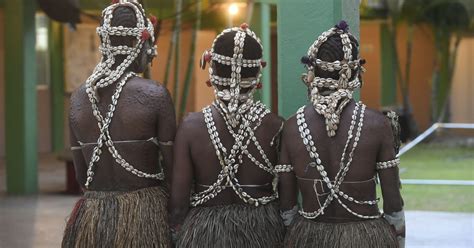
409 12
449 20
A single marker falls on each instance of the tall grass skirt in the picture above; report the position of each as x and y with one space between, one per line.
119 219
232 226
358 234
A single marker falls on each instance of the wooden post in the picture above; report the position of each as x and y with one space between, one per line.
300 22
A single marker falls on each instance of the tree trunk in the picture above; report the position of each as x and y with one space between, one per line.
190 69
177 57
446 82
169 58
403 80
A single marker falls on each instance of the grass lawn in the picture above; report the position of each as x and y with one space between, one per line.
438 162
435 161
439 198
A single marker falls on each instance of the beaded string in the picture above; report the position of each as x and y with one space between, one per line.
143 31
280 168
240 112
259 111
335 191
231 101
331 106
231 161
387 164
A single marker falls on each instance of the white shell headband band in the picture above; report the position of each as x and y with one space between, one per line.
345 66
103 71
143 32
209 56
331 105
230 100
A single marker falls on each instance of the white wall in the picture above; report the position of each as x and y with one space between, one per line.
462 100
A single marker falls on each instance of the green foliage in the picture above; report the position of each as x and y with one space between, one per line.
448 19
450 16
412 11
190 69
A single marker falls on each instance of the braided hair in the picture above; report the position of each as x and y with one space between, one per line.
334 71
125 16
225 45
330 51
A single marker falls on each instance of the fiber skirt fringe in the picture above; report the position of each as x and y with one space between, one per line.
231 226
364 234
119 219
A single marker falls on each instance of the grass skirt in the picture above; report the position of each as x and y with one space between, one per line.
119 219
364 234
230 226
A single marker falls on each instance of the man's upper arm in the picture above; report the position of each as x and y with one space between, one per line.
77 155
389 177
287 180
166 130
390 183
167 116
181 176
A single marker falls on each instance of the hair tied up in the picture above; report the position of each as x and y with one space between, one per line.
306 60
205 58
153 20
343 26
145 35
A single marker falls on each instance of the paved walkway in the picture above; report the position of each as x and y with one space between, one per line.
39 222
439 229
33 221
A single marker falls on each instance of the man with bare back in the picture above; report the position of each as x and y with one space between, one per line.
122 130
223 190
332 152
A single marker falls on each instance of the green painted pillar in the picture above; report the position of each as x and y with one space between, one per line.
256 26
300 22
388 77
57 84
267 49
20 97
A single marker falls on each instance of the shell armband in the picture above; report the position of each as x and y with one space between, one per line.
387 164
283 168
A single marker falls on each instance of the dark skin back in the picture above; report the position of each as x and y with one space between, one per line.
144 110
376 144
196 162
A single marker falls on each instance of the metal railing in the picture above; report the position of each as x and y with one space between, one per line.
423 136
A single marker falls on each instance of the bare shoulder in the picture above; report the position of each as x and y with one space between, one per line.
290 128
151 94
149 87
377 122
273 120
78 100
78 94
374 118
192 122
